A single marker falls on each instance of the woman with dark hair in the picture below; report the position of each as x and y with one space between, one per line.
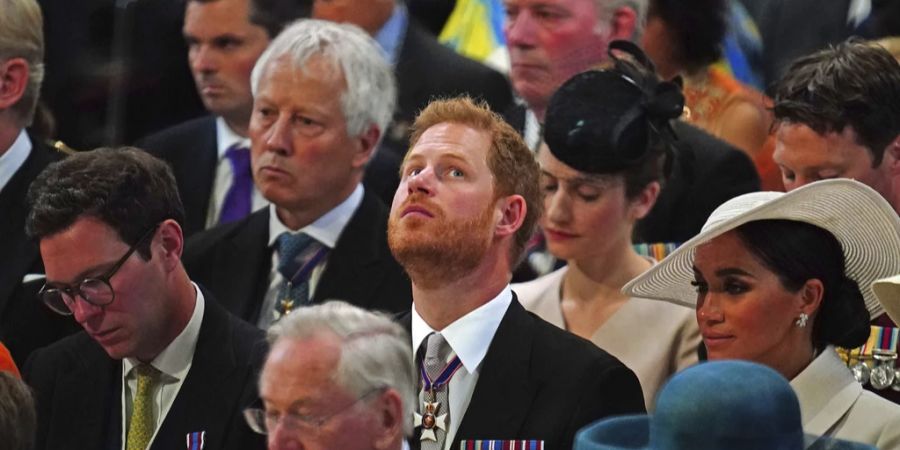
684 38
783 279
608 142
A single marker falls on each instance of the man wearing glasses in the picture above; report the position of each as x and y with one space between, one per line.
160 363
338 377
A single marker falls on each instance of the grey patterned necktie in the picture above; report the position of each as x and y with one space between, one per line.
434 407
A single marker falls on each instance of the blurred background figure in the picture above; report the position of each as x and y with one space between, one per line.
337 377
734 405
25 324
788 302
597 184
18 421
686 38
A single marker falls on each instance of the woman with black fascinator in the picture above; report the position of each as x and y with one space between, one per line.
608 148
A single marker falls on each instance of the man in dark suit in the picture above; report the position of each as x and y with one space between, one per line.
546 53
24 324
424 68
210 155
159 362
467 204
314 129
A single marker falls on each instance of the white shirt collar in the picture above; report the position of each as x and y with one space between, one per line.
226 137
326 229
175 360
14 158
470 335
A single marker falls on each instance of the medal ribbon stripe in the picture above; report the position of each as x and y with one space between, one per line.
444 376
479 444
195 440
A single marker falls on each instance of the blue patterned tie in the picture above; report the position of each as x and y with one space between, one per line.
239 199
295 253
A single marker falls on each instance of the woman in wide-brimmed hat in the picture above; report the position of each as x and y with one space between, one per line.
781 279
758 413
608 141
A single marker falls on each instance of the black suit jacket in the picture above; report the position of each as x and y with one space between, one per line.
715 172
25 323
234 261
78 390
540 382
192 151
795 28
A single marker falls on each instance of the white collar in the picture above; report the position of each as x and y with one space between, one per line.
175 360
470 335
327 228
14 157
226 137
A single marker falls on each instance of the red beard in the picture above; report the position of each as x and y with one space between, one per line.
437 250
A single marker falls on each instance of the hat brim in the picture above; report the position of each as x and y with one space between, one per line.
861 220
617 433
888 292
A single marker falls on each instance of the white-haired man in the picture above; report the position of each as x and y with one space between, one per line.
322 97
24 324
549 41
337 377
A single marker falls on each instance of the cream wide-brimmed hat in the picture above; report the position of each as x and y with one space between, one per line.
861 220
888 292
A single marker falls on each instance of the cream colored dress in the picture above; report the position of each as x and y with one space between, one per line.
654 339
833 403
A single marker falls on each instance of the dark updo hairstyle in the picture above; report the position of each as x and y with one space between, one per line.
616 121
797 252
697 28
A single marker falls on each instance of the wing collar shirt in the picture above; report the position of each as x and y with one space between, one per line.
174 362
326 229
470 337
14 157
225 138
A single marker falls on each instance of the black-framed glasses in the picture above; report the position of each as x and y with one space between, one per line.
94 290
262 421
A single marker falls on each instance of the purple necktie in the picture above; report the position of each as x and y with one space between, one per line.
238 200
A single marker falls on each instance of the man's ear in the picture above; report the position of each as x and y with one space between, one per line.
366 143
892 156
172 239
13 81
624 23
512 214
389 417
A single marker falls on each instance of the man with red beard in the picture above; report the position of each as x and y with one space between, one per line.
467 203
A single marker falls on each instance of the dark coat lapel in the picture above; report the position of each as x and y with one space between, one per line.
214 371
18 254
90 398
242 265
196 174
503 395
356 264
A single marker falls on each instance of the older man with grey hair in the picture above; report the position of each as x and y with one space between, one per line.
24 324
550 41
337 377
323 95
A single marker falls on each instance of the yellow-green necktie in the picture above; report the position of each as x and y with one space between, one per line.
141 426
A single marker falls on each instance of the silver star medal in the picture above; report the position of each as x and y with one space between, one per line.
429 421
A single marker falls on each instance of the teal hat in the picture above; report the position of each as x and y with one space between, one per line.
718 405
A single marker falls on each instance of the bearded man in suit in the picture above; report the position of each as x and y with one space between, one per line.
466 206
